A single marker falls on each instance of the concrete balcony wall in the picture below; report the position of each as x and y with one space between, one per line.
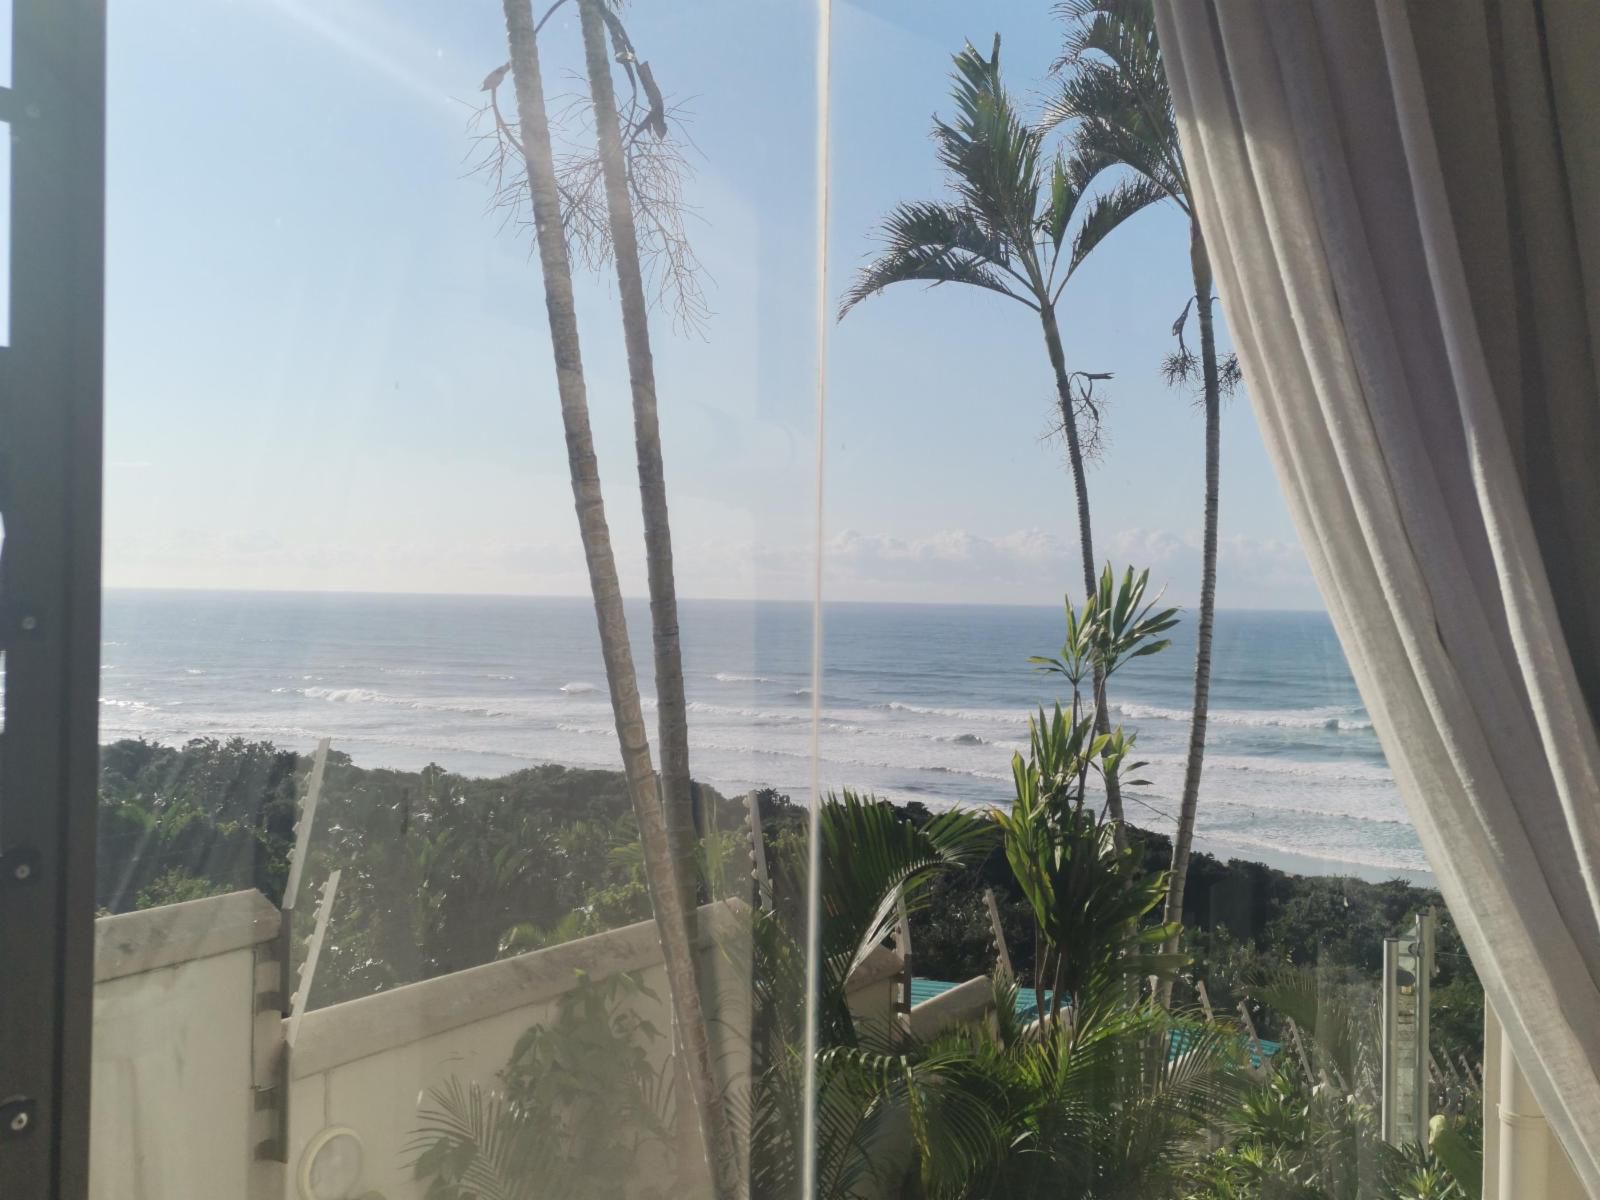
177 1050
1520 1154
172 1067
363 1065
967 1003
870 991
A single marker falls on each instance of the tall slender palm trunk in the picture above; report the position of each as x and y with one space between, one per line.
1080 485
589 501
1183 837
672 713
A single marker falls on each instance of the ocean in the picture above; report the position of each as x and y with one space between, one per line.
920 702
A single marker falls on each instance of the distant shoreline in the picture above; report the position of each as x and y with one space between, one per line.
1309 864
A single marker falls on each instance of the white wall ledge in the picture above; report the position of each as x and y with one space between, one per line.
342 1033
965 1002
877 966
135 942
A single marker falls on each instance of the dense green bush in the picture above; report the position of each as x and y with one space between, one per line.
442 871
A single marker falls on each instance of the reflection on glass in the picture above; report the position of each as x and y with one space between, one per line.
417 806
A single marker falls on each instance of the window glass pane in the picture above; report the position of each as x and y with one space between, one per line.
366 835
960 414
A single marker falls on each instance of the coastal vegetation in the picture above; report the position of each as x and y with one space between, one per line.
445 871
1114 1091
1016 198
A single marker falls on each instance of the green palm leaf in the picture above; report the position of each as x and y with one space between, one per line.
933 243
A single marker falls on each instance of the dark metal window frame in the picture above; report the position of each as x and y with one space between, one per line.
50 496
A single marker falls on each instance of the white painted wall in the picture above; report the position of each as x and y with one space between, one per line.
366 1064
1520 1154
177 1046
171 1070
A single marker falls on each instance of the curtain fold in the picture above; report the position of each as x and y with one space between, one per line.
1402 202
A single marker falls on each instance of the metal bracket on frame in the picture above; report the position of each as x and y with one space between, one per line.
269 1089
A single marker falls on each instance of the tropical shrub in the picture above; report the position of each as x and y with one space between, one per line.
581 1100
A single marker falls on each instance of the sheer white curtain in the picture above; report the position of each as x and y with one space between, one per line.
1403 205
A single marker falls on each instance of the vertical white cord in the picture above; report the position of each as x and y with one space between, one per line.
808 1139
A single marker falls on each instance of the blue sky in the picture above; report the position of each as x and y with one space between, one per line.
328 367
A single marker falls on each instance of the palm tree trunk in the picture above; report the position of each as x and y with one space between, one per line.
672 711
1080 484
1183 836
671 706
660 867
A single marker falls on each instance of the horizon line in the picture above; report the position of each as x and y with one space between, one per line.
642 599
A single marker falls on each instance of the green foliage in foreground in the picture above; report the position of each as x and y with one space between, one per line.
577 1103
443 871
440 871
180 823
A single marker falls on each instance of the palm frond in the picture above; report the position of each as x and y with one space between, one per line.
992 155
1341 1035
1108 211
477 1146
1122 32
948 1095
933 243
873 859
1113 89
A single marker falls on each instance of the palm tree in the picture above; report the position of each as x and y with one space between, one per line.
1098 1106
672 719
1116 95
672 710
866 1074
1082 884
1006 232
1108 1107
1102 1103
661 867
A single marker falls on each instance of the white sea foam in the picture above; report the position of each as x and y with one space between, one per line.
349 695
1291 775
358 695
1301 718
586 730
1353 853
1278 769
1302 810
1003 716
